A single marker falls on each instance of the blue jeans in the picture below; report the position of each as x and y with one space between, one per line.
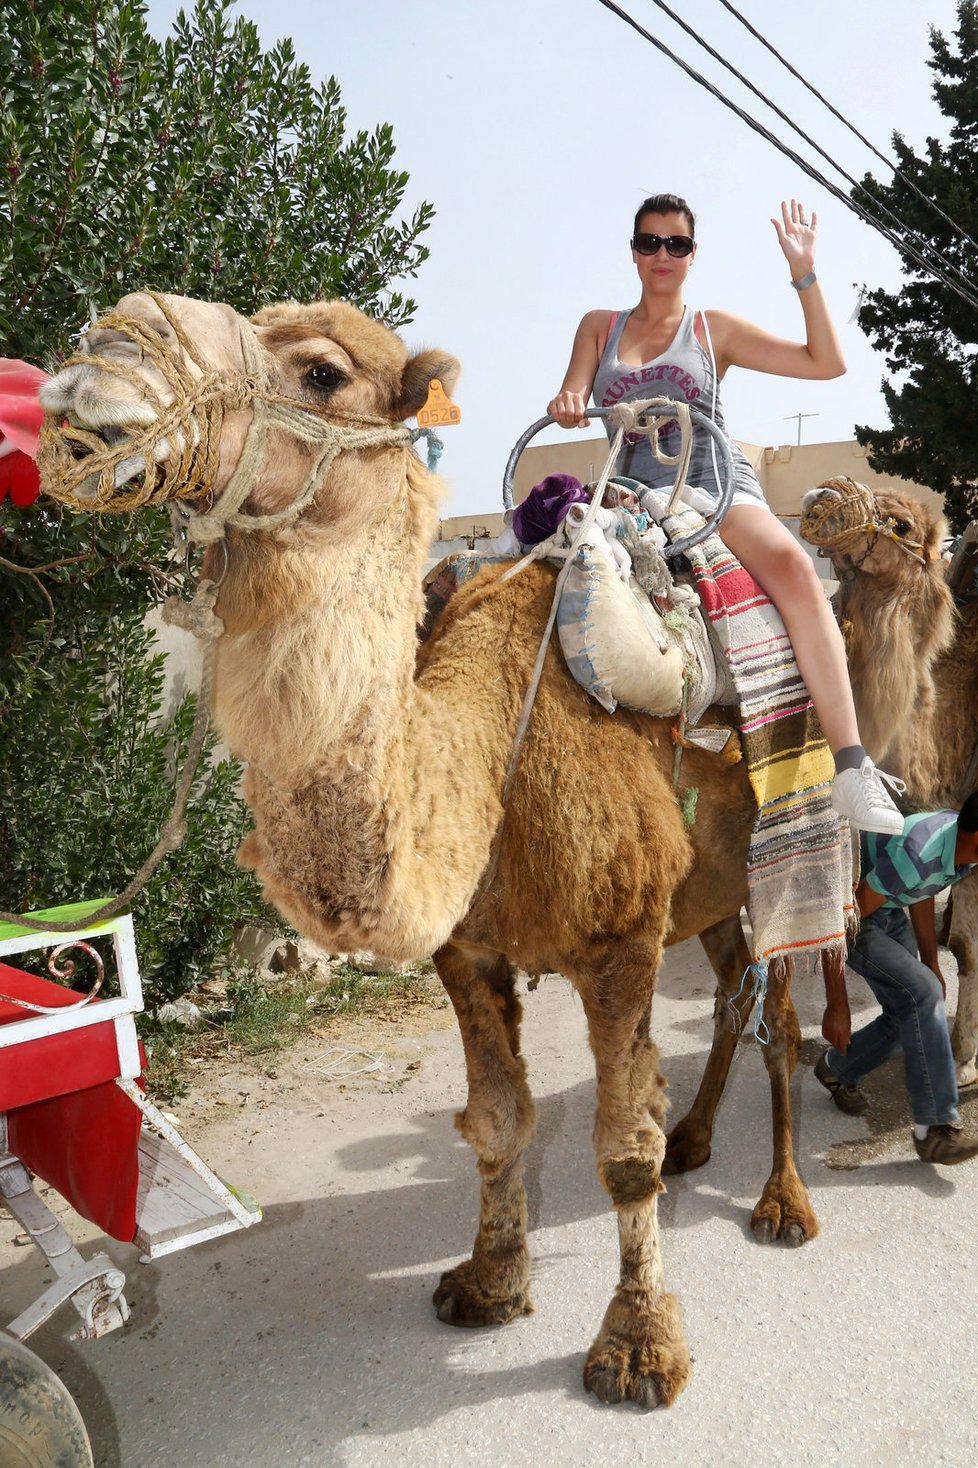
913 1019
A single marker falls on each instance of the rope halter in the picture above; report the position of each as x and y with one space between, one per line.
853 510
84 471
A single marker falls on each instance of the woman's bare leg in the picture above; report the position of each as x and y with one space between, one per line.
769 551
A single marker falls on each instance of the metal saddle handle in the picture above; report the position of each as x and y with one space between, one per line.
699 419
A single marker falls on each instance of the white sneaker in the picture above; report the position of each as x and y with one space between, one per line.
860 796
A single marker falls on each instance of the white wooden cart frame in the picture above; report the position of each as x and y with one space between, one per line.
180 1201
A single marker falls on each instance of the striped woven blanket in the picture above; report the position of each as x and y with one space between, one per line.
800 857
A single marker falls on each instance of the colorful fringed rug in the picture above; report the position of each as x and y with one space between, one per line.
800 857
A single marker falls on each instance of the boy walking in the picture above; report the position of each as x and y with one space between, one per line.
905 871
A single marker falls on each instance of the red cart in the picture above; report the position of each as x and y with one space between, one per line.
73 1113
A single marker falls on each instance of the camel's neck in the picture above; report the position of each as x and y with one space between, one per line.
894 633
320 621
374 813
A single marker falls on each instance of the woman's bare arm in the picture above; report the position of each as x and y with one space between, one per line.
569 406
740 343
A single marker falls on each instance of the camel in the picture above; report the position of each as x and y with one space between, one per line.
375 774
913 662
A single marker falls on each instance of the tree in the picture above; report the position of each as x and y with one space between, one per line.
927 331
203 166
200 165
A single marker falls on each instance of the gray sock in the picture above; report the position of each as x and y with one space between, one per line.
849 758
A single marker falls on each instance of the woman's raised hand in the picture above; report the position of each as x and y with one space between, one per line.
569 410
796 236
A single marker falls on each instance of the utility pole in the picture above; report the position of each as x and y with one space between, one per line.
792 416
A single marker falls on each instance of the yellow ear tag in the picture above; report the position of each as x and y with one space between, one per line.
439 411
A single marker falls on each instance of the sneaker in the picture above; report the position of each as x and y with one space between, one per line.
947 1145
860 796
848 1098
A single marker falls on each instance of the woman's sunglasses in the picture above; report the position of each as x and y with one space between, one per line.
677 245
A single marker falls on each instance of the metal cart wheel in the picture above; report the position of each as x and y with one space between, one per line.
40 1426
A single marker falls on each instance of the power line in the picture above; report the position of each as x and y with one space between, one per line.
802 163
846 123
907 233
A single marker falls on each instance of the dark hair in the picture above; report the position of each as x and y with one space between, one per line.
968 814
666 204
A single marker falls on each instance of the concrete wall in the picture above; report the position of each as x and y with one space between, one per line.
787 472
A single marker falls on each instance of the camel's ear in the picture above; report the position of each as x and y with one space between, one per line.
417 375
933 539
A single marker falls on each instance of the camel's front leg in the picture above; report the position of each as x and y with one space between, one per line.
785 1210
493 1286
690 1140
640 1352
963 943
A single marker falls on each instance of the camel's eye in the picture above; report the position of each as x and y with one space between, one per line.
900 527
325 377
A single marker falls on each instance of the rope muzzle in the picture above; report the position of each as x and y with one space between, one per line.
81 469
852 509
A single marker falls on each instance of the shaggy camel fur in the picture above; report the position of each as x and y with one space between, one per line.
376 791
913 660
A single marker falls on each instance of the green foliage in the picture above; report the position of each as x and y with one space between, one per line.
86 795
927 331
200 165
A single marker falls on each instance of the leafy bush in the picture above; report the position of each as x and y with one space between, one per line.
201 165
87 768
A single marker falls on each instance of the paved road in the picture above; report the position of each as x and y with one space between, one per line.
310 1340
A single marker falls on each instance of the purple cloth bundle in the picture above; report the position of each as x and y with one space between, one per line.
537 517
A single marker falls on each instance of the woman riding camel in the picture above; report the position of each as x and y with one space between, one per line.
661 349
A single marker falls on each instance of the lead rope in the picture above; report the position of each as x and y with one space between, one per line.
529 697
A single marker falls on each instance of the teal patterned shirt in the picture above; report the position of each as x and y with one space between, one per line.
918 863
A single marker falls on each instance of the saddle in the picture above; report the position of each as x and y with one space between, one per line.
632 633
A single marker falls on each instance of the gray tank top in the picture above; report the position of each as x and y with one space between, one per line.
684 372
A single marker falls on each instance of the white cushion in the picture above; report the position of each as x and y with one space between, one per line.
613 639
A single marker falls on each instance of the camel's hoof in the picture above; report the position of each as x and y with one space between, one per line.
763 1230
686 1149
640 1354
604 1382
786 1216
967 1075
460 1300
792 1234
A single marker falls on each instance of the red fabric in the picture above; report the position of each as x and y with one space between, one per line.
50 1065
54 1065
67 1120
86 1146
20 425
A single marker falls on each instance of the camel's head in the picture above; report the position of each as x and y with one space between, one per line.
872 532
166 394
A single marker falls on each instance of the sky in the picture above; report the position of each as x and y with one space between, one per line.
536 127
